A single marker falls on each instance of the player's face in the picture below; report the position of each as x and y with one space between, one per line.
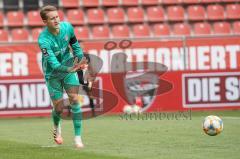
53 20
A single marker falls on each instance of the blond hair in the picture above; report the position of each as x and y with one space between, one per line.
45 9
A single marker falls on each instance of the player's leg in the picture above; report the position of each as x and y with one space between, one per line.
76 115
55 89
56 116
71 85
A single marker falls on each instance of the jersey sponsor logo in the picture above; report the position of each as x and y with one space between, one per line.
44 51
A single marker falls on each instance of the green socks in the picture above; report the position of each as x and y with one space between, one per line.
77 118
56 118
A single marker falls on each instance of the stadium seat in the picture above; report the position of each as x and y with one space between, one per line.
196 12
161 30
10 5
70 3
100 32
35 33
171 1
110 3
90 3
181 29
202 28
227 1
175 13
50 2
135 14
155 14
15 18
3 35
75 16
236 27
141 30
120 31
81 32
95 16
61 15
34 18
30 5
149 2
19 34
130 2
191 1
221 28
211 1
215 12
233 11
116 15
1 19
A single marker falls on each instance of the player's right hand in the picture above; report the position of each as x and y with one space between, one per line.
82 63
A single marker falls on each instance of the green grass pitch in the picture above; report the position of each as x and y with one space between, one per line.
112 137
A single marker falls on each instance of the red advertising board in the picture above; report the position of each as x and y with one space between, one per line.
211 89
203 73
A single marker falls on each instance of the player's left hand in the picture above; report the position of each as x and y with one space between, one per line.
78 65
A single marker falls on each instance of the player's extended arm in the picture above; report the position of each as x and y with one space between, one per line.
51 59
77 50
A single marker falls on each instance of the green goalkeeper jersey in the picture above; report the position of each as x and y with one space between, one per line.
56 55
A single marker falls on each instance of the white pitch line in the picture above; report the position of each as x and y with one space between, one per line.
230 117
47 146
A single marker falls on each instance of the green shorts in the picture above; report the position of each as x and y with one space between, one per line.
55 86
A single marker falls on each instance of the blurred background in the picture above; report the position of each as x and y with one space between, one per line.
20 20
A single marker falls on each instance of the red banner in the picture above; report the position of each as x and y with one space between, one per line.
203 73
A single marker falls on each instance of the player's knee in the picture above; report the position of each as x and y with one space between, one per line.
73 99
59 109
58 106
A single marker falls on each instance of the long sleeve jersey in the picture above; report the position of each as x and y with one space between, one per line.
56 55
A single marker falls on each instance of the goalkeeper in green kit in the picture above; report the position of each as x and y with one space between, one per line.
60 69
